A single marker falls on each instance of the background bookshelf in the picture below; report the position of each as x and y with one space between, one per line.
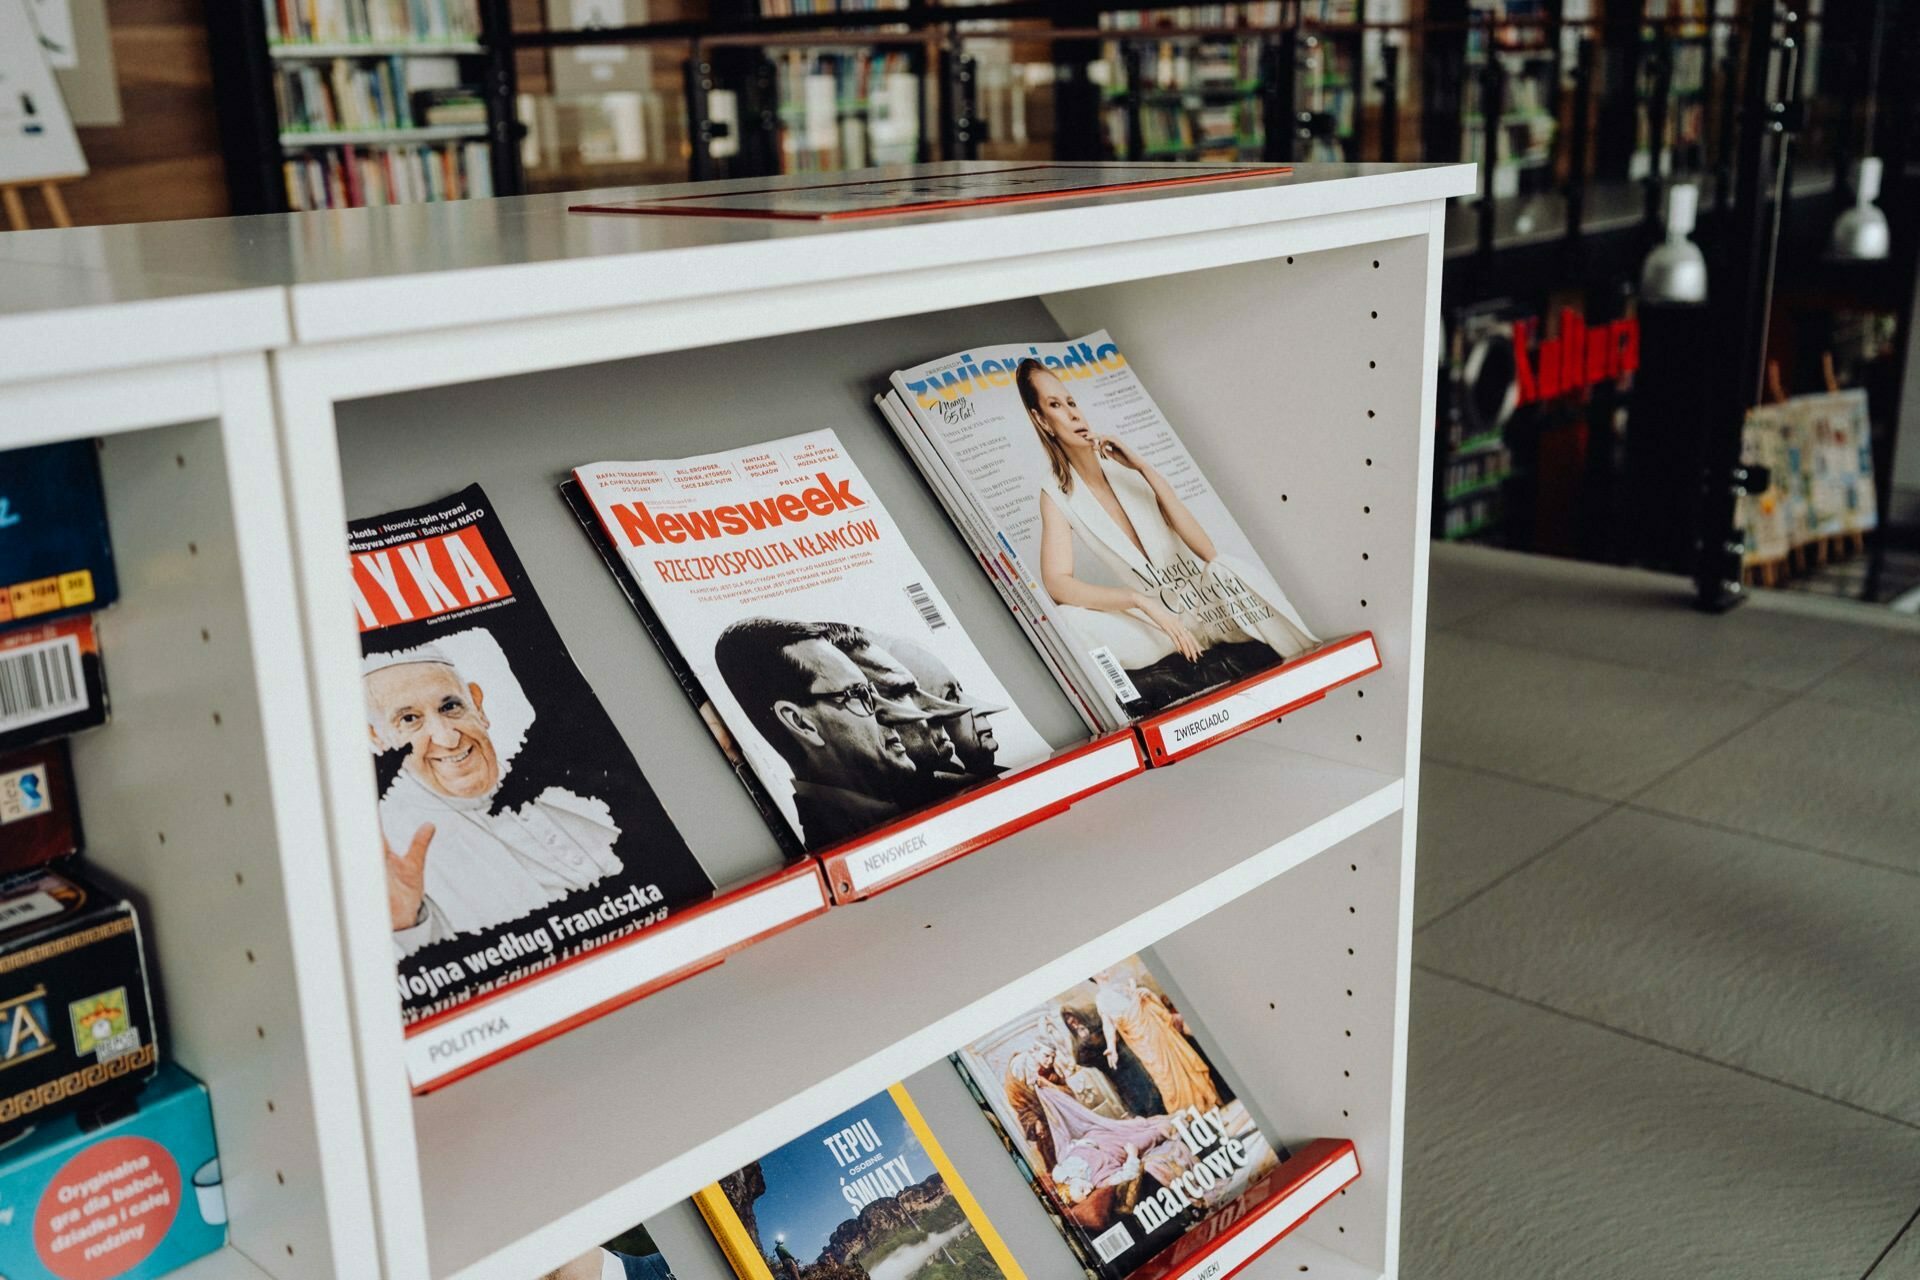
328 104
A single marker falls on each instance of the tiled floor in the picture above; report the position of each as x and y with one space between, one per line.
1666 1015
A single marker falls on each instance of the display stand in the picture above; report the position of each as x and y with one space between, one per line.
916 845
1259 699
515 1017
402 354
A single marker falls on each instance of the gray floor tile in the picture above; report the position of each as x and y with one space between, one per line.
1903 1260
1458 588
1594 727
1813 773
1654 624
1786 963
1539 1147
1885 678
1475 828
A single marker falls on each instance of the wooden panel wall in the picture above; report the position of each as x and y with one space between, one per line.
164 160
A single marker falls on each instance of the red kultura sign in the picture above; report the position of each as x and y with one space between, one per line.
1578 356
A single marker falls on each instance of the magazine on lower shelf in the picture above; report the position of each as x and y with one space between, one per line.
1139 584
1119 1123
867 1195
782 591
519 832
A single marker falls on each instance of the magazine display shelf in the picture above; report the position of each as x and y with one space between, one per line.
1287 326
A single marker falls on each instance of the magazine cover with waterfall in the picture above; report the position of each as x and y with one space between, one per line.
1123 1127
868 1195
519 832
1155 588
834 663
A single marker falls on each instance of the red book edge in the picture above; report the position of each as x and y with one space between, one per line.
834 860
1182 1258
1154 742
671 206
773 880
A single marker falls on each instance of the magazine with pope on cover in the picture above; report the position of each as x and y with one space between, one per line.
1123 543
1124 1129
519 832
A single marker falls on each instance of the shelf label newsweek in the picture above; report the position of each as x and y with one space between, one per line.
519 831
1154 589
830 656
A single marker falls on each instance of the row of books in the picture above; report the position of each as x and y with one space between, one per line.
847 109
358 177
815 649
1480 470
1268 14
384 21
1818 451
1144 1157
343 93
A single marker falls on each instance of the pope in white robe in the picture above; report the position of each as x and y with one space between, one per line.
465 868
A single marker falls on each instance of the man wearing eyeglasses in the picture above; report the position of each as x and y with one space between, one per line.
938 771
820 712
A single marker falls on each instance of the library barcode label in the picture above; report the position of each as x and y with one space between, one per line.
1113 1242
923 601
1116 674
41 682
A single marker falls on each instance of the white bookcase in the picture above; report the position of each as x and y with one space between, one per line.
259 381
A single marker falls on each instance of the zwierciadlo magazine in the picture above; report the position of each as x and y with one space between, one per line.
834 664
519 832
1138 584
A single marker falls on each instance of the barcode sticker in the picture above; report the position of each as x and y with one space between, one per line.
1113 1242
41 681
1116 674
923 601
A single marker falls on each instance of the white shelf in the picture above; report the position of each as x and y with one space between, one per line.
382 137
1287 325
291 52
813 1021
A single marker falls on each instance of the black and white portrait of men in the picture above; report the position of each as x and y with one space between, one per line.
456 860
816 708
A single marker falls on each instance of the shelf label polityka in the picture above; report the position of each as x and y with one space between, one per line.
985 814
440 1049
1209 719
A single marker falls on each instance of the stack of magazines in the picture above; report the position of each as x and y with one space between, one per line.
1099 530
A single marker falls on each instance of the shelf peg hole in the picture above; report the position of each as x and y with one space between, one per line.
1369 413
280 1177
216 717
1289 261
1376 264
193 548
228 797
1366 511
1352 911
239 878
162 835
205 635
1374 314
250 959
260 1033
1369 461
270 1106
1283 497
1365 556
1360 692
1373 364
180 460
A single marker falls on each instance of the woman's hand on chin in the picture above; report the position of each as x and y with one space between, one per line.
1176 630
1118 449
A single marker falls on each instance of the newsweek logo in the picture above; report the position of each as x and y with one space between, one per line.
1578 356
425 578
641 526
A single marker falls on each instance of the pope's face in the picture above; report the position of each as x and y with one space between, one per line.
423 708
1058 414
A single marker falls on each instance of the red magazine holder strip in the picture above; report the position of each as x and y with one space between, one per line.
447 1046
1214 717
916 844
1235 1235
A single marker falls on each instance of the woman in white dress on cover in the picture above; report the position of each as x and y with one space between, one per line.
1139 529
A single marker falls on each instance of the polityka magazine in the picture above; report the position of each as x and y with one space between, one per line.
1132 566
1123 1127
829 654
519 831
868 1195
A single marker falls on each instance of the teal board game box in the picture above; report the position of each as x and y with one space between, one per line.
129 1198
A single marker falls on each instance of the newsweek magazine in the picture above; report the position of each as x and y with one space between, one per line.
519 831
829 654
1122 1127
867 1195
1125 547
